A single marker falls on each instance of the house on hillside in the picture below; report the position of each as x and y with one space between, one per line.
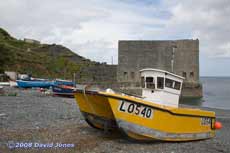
33 41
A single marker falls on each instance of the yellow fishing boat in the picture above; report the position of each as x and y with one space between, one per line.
95 108
154 116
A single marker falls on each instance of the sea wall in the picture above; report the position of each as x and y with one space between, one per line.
97 74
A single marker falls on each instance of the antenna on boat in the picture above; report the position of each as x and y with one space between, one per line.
174 46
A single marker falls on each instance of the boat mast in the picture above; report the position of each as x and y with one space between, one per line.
173 55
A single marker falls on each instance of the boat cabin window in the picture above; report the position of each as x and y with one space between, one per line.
172 84
160 82
169 83
150 83
177 85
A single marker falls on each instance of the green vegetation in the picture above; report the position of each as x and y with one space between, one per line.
40 60
4 52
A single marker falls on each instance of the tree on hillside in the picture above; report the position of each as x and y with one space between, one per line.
4 57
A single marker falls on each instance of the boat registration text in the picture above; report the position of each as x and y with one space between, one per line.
136 109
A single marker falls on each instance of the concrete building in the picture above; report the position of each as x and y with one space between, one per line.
180 57
32 41
12 75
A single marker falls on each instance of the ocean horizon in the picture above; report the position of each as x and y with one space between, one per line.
216 93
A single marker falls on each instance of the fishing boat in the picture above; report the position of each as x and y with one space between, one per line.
63 90
63 82
42 83
95 108
34 83
155 115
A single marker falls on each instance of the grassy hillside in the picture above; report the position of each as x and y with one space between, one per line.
40 60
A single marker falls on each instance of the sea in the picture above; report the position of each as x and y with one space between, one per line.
216 93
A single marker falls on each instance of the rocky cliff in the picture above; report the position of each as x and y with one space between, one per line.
40 60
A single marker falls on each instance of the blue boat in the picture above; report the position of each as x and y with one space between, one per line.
42 83
63 90
35 83
63 82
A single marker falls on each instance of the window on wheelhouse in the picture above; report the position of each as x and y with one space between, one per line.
168 83
177 85
150 83
160 82
172 84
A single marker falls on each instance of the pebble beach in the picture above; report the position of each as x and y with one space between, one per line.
41 122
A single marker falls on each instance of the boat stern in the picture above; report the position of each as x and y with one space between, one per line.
96 109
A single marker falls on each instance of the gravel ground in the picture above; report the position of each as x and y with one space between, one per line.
37 118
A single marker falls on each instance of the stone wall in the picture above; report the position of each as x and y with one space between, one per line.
97 74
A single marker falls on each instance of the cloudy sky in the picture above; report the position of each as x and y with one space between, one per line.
92 28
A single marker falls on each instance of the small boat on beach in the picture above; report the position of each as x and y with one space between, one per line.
42 83
155 115
34 83
63 82
63 90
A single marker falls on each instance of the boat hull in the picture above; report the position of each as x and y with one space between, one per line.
63 82
31 84
95 109
62 90
143 120
156 122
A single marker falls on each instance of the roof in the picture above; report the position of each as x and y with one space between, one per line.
162 71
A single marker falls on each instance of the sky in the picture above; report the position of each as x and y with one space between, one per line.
92 28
